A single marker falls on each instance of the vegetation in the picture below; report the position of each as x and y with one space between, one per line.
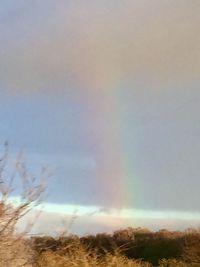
14 247
141 248
124 248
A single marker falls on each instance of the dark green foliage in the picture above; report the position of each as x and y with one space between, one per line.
191 248
101 243
153 250
44 243
137 243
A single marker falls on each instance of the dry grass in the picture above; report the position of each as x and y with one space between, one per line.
79 256
81 259
53 259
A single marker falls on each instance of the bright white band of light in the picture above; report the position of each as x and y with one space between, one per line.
66 209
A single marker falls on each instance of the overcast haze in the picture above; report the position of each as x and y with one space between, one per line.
107 93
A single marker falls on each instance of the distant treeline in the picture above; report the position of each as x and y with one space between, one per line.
134 243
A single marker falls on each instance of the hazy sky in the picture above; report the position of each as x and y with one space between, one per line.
107 93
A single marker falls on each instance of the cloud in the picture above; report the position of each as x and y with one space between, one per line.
55 220
101 45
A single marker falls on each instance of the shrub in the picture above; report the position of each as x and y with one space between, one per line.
15 250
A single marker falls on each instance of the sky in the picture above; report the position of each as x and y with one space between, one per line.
106 93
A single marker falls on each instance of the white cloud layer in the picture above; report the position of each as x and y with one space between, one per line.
57 219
